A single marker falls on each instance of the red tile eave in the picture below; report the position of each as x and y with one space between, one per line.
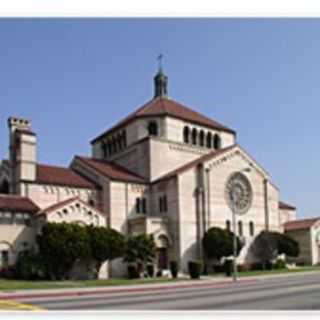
300 224
17 203
124 175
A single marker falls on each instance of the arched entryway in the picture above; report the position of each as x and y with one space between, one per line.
5 254
4 187
162 244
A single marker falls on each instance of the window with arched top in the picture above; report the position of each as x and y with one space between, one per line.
251 228
201 138
115 145
153 128
228 225
186 135
216 142
4 187
104 148
124 138
194 136
240 229
119 142
209 140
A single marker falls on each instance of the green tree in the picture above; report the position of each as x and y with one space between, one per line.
60 245
287 245
140 249
105 244
265 247
218 243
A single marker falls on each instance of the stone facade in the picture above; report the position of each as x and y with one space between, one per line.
162 170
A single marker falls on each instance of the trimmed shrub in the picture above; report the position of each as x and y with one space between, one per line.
30 266
159 274
195 269
150 270
279 264
217 268
132 272
174 269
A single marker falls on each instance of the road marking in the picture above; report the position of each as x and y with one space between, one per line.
14 305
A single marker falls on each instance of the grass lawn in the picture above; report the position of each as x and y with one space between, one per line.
11 285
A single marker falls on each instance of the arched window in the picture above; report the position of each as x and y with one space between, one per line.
144 205
138 205
216 142
240 229
115 145
109 147
201 138
251 228
153 128
186 135
194 136
124 137
104 149
228 225
4 187
209 140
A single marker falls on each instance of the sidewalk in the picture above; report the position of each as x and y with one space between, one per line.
205 282
49 293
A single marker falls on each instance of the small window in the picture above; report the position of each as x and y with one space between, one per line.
153 128
165 204
160 204
19 219
201 138
251 227
143 205
228 225
91 203
240 229
186 135
209 140
6 218
194 136
4 258
216 142
138 205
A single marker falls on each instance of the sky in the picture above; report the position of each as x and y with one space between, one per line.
74 78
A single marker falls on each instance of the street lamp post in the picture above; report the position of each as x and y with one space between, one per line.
235 244
239 195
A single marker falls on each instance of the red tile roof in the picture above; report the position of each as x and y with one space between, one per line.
163 106
195 162
111 170
17 203
53 175
300 224
285 206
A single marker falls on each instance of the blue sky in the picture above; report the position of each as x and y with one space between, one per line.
74 78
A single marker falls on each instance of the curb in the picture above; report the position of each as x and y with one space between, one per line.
123 290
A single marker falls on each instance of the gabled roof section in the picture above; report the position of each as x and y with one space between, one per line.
64 203
286 206
209 156
163 106
54 175
111 170
300 224
17 204
194 163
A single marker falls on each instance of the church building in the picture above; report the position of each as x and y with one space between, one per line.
164 169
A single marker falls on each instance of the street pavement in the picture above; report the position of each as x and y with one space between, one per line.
294 292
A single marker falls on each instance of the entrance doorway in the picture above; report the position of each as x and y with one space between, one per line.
162 258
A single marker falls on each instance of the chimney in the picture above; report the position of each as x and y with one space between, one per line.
23 151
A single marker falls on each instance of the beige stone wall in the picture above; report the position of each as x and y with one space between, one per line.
304 238
13 237
315 243
47 195
220 169
286 216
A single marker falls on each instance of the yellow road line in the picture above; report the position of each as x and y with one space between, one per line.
14 305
